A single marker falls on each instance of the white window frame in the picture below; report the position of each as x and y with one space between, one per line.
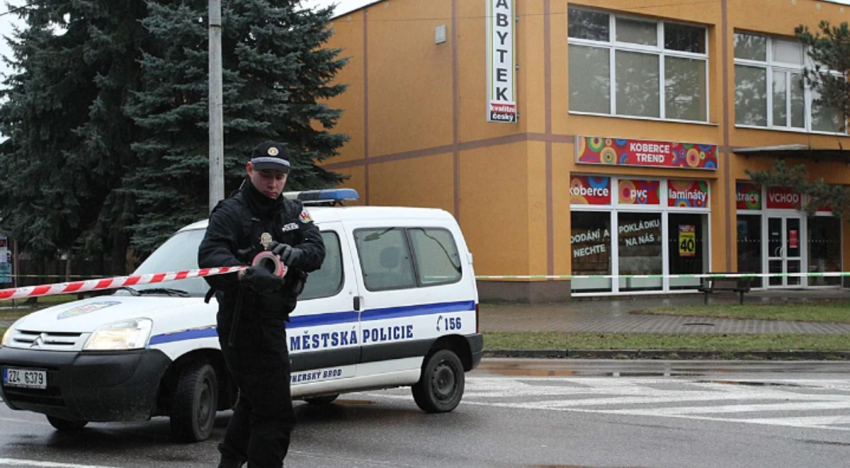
766 213
614 207
613 46
769 65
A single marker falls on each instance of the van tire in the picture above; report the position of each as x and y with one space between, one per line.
62 424
322 400
194 403
441 384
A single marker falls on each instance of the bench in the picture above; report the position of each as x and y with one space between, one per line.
713 285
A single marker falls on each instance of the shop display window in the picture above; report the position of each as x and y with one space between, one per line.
640 250
824 242
590 241
688 251
749 247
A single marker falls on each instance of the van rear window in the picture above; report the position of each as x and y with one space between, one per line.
436 256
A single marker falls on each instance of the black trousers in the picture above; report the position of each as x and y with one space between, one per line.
263 418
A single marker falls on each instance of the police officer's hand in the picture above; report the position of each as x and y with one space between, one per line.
261 280
288 255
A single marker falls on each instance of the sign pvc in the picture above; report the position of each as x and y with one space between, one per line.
687 240
638 192
649 153
501 64
687 193
588 190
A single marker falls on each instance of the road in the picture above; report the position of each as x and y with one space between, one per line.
522 413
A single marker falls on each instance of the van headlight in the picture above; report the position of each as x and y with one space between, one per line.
7 337
127 334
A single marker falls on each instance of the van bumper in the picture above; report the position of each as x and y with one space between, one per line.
88 386
476 348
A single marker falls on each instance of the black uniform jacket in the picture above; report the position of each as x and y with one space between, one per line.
233 238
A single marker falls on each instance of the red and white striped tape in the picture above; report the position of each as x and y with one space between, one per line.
110 283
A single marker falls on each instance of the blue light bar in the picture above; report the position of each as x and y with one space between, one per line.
330 196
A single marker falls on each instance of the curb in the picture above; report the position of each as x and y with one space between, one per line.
790 355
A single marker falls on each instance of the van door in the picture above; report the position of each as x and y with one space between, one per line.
323 330
404 310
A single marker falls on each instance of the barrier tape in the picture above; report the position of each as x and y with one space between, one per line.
110 283
689 276
52 276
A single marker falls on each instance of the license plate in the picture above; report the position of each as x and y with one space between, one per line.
27 378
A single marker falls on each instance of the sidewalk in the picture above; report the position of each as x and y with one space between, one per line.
618 315
615 315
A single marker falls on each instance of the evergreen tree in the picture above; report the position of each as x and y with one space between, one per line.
829 50
69 141
275 76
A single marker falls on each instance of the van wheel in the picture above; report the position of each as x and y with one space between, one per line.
194 403
322 400
440 386
61 424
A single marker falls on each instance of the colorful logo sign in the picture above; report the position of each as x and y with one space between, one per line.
639 192
783 198
615 151
687 240
747 196
587 190
687 193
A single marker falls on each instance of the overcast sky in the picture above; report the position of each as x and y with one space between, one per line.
8 20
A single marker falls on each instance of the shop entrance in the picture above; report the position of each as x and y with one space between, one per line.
784 250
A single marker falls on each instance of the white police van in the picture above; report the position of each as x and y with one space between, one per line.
394 304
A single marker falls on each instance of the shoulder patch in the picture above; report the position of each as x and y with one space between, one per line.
305 217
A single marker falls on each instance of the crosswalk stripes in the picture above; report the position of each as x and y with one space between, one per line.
821 404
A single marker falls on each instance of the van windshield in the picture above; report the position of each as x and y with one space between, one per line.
178 253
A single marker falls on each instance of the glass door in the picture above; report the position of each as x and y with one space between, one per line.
784 251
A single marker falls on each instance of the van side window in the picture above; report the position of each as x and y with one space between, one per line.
436 256
327 280
385 259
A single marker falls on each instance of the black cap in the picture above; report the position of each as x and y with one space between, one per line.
270 156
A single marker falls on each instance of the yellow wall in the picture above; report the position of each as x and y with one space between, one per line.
416 156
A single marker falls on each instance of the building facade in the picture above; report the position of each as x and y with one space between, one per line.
596 138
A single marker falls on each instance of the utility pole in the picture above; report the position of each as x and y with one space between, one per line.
216 107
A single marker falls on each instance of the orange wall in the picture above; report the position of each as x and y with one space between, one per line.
417 157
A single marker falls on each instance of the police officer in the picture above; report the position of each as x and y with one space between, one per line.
255 303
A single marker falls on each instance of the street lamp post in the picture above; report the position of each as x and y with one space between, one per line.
216 182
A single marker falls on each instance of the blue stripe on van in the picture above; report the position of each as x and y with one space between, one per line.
414 310
332 318
193 334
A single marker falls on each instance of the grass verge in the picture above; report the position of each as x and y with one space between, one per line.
645 341
834 311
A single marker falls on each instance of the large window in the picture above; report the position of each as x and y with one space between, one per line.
769 87
636 67
640 250
590 240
